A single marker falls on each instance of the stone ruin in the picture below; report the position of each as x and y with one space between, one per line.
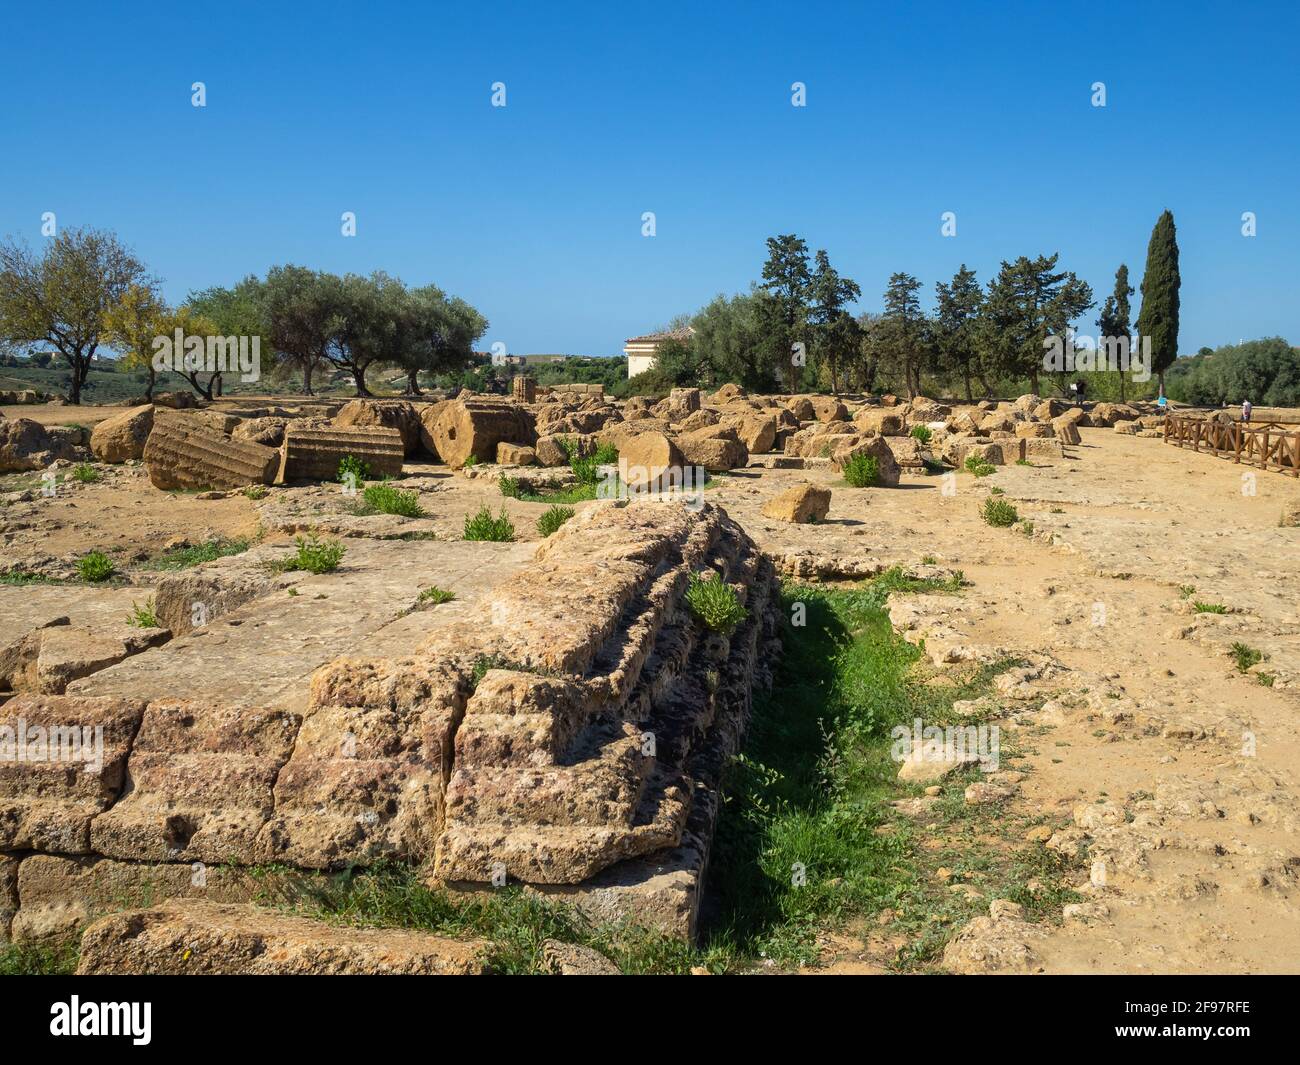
568 733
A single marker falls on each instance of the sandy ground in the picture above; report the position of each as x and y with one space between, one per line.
1201 760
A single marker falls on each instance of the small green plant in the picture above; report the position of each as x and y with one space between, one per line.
315 556
978 466
862 471
184 557
1208 608
554 517
1186 591
1023 462
587 468
255 491
998 513
353 470
929 560
96 567
143 617
510 487
923 433
1027 527
1246 656
483 526
996 491
435 596
714 603
85 473
1265 679
1057 510
386 499
470 460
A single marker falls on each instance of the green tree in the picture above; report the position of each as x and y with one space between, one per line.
131 326
902 333
238 311
62 296
956 316
787 280
836 335
1114 321
1158 318
1028 302
732 343
301 309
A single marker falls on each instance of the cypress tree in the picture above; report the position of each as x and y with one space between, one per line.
1158 318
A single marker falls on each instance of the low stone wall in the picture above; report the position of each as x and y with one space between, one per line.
569 734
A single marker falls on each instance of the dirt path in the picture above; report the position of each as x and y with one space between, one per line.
1152 754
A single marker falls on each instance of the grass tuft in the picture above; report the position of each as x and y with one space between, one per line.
96 567
862 471
998 513
483 526
385 499
143 617
435 596
554 517
714 603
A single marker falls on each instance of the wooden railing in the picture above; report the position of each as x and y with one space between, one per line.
1270 445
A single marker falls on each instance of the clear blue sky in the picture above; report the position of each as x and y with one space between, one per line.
532 212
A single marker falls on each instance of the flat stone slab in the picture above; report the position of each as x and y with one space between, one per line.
262 652
183 938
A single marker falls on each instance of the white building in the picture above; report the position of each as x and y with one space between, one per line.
640 351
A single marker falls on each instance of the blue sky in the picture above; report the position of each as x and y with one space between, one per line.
533 211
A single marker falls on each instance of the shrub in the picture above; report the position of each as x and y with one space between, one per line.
143 617
353 470
862 471
976 465
483 526
316 556
470 460
922 433
510 487
553 518
85 473
389 500
999 513
714 603
96 567
435 595
1246 656
587 469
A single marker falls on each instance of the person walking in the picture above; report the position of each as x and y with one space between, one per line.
1245 410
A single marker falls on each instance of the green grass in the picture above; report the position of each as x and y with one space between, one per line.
554 517
1208 608
510 487
812 788
208 551
313 556
21 578
143 617
483 526
1265 680
862 471
385 499
714 603
255 491
96 567
998 513
1024 462
435 596
976 465
470 460
85 473
1246 656
27 959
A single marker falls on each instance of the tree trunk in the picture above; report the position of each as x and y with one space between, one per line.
970 398
307 367
412 383
153 380
359 379
76 378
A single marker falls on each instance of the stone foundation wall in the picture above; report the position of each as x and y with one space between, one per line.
571 735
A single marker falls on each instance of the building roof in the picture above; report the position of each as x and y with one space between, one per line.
684 333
